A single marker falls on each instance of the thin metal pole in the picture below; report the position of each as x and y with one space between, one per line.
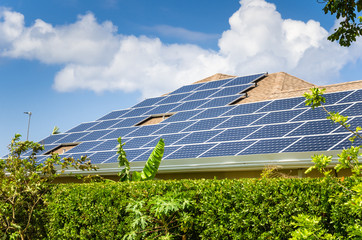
27 135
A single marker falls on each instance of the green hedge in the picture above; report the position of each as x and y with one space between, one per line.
212 209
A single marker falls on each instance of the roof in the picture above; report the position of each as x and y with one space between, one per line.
222 122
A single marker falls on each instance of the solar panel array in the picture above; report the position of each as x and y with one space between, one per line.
204 123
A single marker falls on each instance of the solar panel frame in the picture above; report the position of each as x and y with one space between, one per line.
187 88
190 105
145 130
198 137
282 104
139 142
72 137
129 122
82 127
227 149
316 143
265 146
205 124
174 127
279 117
312 127
214 84
228 91
105 124
189 151
356 96
120 132
149 102
221 101
273 131
319 113
246 108
101 157
95 135
161 109
138 112
169 139
245 79
173 98
241 120
106 145
114 114
213 112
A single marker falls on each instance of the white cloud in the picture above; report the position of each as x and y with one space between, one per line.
97 58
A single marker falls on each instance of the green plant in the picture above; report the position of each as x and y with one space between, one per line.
150 169
23 183
55 130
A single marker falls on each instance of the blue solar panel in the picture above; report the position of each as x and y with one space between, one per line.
82 127
128 122
145 130
149 102
190 151
73 137
346 143
201 94
181 116
215 84
221 101
76 156
313 127
242 120
268 146
100 157
231 90
187 88
205 124
198 137
138 142
132 154
94 135
191 105
316 143
233 134
354 97
278 117
272 131
227 149
213 112
354 110
163 109
143 157
52 138
173 98
169 139
282 104
332 98
174 127
354 122
104 124
41 159
246 108
47 148
105 146
121 132
244 80
84 147
319 113
114 115
137 112
169 150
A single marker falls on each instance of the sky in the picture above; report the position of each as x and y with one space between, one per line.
73 61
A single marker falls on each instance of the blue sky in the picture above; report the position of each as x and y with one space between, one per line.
72 61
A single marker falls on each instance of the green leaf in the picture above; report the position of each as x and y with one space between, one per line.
153 162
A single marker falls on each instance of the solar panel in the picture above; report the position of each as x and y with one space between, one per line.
149 102
205 124
174 127
354 110
52 138
137 112
346 143
310 128
242 120
189 151
84 147
138 142
191 105
227 91
132 154
354 122
268 146
273 131
246 108
227 149
319 113
187 88
221 101
82 127
168 150
105 146
100 157
278 117
104 124
215 84
163 109
316 143
47 148
233 134
128 122
143 157
145 130
173 98
114 115
121 132
73 137
244 80
76 156
282 104
354 97
213 112
198 137
169 139
94 135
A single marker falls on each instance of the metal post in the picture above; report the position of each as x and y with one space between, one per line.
27 135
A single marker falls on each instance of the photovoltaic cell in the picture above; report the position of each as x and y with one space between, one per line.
187 88
173 98
319 113
227 149
143 157
105 146
84 147
201 94
313 127
138 142
105 124
135 153
82 127
233 134
221 101
278 117
181 116
332 98
169 150
241 120
231 90
191 105
168 139
198 137
94 135
47 148
246 108
100 157
213 112
52 138
149 102
189 151
73 137
316 143
121 132
205 124
354 97
214 84
77 155
244 80
282 104
268 146
174 127
137 112
145 130
355 122
346 143
163 109
354 110
128 122
114 115
273 131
